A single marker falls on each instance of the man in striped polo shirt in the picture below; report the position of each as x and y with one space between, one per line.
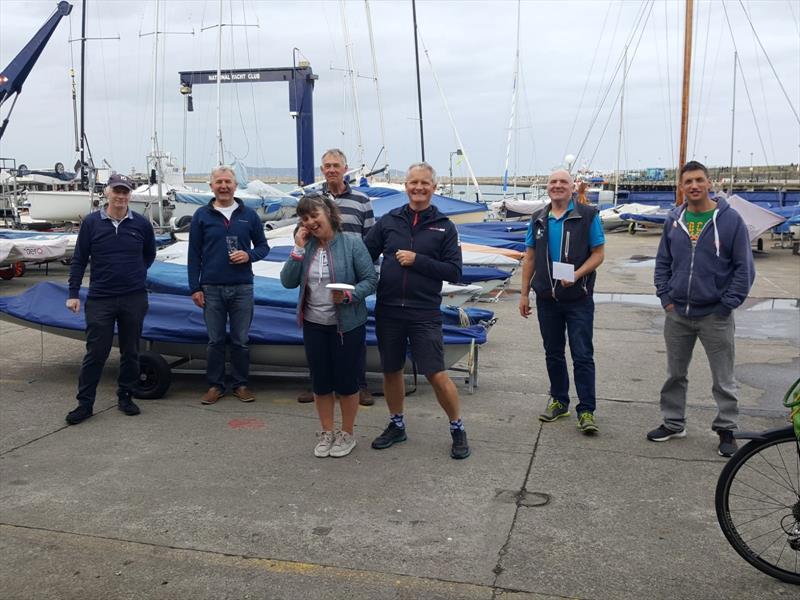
357 217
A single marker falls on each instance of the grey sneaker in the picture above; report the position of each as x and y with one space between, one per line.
323 447
662 434
343 444
555 410
727 443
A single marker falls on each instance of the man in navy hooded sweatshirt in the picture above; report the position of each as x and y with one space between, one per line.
704 270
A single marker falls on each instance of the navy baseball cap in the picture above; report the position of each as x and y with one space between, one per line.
120 180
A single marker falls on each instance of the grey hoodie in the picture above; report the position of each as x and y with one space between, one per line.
713 274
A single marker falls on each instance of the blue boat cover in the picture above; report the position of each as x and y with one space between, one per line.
176 319
659 219
500 229
449 206
167 278
255 203
493 242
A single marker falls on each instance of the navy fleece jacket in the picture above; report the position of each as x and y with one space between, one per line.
208 252
713 274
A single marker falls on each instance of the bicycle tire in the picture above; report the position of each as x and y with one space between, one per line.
758 503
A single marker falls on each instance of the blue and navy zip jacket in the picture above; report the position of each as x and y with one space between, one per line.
713 274
208 250
120 255
414 292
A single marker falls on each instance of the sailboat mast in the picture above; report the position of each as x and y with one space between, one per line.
377 88
512 118
219 88
733 118
687 69
351 73
155 156
419 88
84 174
621 115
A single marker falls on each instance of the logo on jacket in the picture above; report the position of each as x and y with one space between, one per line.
539 233
437 229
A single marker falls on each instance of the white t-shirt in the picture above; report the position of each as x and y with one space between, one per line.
227 211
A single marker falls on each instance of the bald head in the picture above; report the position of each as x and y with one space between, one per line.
559 186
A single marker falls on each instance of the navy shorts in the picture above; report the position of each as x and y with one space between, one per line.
333 358
427 346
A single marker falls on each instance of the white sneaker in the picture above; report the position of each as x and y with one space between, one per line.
343 444
323 447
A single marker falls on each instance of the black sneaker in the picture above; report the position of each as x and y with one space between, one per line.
727 443
662 434
128 406
460 448
78 415
391 435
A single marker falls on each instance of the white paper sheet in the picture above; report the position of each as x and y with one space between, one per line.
564 271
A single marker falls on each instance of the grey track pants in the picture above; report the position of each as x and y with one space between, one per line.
716 335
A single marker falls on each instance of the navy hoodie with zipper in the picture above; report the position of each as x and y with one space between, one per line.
713 274
208 262
414 292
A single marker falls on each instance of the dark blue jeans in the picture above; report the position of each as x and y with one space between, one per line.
577 320
224 303
127 313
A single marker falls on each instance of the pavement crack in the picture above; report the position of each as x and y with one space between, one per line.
46 435
498 568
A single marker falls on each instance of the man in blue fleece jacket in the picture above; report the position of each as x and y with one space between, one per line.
122 246
704 270
225 238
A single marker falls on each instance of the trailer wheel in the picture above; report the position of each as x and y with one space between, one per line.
7 273
154 376
632 228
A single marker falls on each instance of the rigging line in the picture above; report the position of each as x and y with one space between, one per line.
236 94
699 108
710 86
530 128
764 99
588 78
259 148
753 112
794 17
769 61
661 86
608 54
512 116
671 135
744 82
106 113
614 77
619 92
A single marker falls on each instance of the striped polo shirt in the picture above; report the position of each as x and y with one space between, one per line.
356 210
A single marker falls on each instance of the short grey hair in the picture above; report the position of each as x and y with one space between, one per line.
223 169
422 165
335 152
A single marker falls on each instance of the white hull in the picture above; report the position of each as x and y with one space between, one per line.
58 207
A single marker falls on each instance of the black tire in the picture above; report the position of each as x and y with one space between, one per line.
184 222
758 504
155 376
632 228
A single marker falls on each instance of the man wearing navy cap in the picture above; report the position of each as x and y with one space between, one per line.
122 246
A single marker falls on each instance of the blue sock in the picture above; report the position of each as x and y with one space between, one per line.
398 420
454 425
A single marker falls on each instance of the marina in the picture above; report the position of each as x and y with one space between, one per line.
228 499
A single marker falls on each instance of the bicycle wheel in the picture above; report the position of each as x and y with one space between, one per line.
758 504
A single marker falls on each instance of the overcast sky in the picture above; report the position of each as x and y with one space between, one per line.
568 54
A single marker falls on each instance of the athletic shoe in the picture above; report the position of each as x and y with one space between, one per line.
391 435
128 406
555 410
323 447
79 415
662 434
727 443
586 423
343 444
460 447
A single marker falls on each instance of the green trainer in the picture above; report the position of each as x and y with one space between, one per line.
586 423
555 410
